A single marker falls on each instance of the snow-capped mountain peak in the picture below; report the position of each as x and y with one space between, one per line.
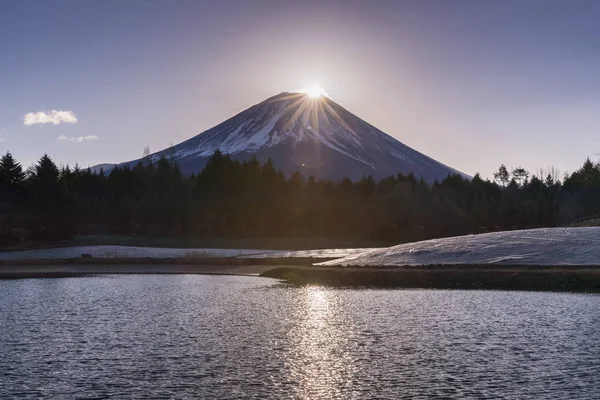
312 134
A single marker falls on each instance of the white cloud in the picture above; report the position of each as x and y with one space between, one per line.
77 139
49 117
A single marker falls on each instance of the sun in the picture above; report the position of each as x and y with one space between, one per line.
314 92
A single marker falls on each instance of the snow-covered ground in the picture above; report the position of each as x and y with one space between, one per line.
322 253
154 252
126 252
551 246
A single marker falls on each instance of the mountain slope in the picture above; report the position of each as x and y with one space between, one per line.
314 136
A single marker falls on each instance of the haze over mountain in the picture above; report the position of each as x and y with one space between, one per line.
303 132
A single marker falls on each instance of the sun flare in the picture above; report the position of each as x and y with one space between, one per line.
314 91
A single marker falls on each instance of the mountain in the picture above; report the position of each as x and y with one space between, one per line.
315 136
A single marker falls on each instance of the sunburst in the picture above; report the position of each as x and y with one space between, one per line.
314 92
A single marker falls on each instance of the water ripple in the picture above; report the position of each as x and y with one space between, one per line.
184 336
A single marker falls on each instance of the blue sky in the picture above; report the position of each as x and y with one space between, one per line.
470 83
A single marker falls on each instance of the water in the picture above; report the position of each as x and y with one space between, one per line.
186 336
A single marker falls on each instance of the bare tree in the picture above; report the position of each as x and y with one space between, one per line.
502 177
520 175
549 174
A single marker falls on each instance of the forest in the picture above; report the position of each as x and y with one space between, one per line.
232 199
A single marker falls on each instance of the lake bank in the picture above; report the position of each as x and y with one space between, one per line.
137 261
22 271
300 272
556 259
482 277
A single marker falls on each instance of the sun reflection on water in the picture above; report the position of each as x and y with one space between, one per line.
320 363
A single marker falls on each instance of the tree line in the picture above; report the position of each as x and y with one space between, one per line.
232 199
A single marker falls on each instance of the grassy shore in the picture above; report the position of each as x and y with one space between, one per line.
299 271
74 270
226 261
532 278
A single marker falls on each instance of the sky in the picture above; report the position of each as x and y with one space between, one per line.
472 84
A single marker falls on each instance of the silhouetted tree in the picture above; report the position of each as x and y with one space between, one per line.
502 177
520 175
46 174
11 172
229 198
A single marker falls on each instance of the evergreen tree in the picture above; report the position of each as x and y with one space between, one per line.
12 179
11 172
46 173
252 199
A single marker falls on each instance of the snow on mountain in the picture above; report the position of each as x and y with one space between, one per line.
549 246
315 136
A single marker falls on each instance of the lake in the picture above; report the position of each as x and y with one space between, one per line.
201 336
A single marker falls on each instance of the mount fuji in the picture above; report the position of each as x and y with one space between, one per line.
314 136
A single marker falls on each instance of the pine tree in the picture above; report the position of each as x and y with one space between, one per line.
46 172
268 171
11 172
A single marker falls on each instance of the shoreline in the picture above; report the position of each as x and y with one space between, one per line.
300 272
80 270
198 261
584 279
